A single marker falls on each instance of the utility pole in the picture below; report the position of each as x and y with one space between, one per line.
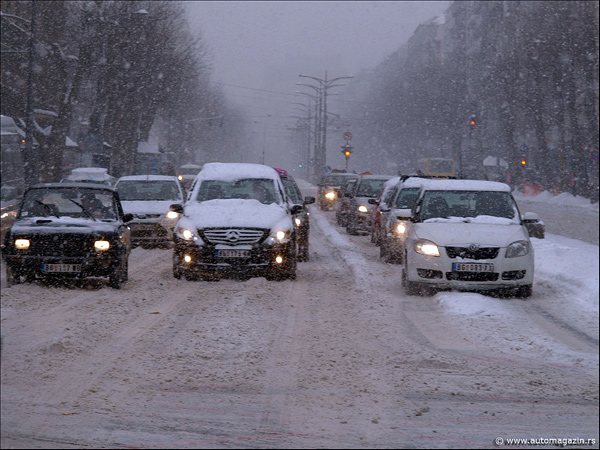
30 169
321 149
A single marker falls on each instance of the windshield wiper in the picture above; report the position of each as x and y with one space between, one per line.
87 213
47 208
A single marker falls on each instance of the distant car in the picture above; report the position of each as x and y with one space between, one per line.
236 221
329 187
302 219
90 175
394 216
187 173
379 205
68 230
345 193
466 235
358 215
148 198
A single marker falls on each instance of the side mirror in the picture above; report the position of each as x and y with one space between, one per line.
178 208
348 194
127 217
372 201
309 200
297 209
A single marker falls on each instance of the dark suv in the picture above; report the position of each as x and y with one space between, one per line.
302 219
68 230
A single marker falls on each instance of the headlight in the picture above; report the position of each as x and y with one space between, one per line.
400 228
427 248
278 237
22 244
185 234
172 215
363 209
102 245
298 222
330 195
518 248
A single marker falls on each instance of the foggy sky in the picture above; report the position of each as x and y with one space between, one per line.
258 49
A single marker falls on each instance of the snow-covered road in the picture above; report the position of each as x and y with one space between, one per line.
339 358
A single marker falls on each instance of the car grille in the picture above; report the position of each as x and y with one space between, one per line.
69 245
233 236
472 253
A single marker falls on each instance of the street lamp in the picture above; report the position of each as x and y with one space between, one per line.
324 85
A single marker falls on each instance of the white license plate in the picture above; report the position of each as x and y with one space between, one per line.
233 253
61 268
472 267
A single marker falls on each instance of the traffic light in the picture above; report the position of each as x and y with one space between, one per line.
347 150
523 162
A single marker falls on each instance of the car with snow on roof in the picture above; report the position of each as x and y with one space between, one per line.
236 222
466 235
68 231
148 198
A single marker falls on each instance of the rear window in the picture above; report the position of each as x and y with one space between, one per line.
148 190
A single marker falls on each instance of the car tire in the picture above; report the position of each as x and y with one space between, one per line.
524 291
351 228
12 276
116 277
410 287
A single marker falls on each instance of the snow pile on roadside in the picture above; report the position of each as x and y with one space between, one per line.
563 198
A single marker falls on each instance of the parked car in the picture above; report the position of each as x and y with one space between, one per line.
90 175
394 216
68 230
358 208
148 198
302 219
341 209
379 205
236 221
467 235
330 186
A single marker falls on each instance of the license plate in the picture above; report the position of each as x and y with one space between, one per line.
472 267
232 253
61 268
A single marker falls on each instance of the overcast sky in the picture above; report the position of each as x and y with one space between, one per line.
258 49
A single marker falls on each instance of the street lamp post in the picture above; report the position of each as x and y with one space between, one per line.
324 85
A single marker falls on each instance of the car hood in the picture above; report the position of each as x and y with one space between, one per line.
236 213
462 233
147 207
62 225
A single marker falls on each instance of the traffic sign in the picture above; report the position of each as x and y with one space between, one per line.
347 136
594 155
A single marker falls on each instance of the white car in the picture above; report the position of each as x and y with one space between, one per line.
467 235
237 221
149 198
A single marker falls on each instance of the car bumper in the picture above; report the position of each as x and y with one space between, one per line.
78 267
153 233
438 272
261 260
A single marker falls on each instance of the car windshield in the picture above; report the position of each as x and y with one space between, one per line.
292 191
406 198
260 189
462 204
334 180
148 190
370 187
69 202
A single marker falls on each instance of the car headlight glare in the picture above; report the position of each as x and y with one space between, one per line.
427 248
400 228
517 248
280 235
22 244
298 222
363 209
330 195
102 245
172 215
